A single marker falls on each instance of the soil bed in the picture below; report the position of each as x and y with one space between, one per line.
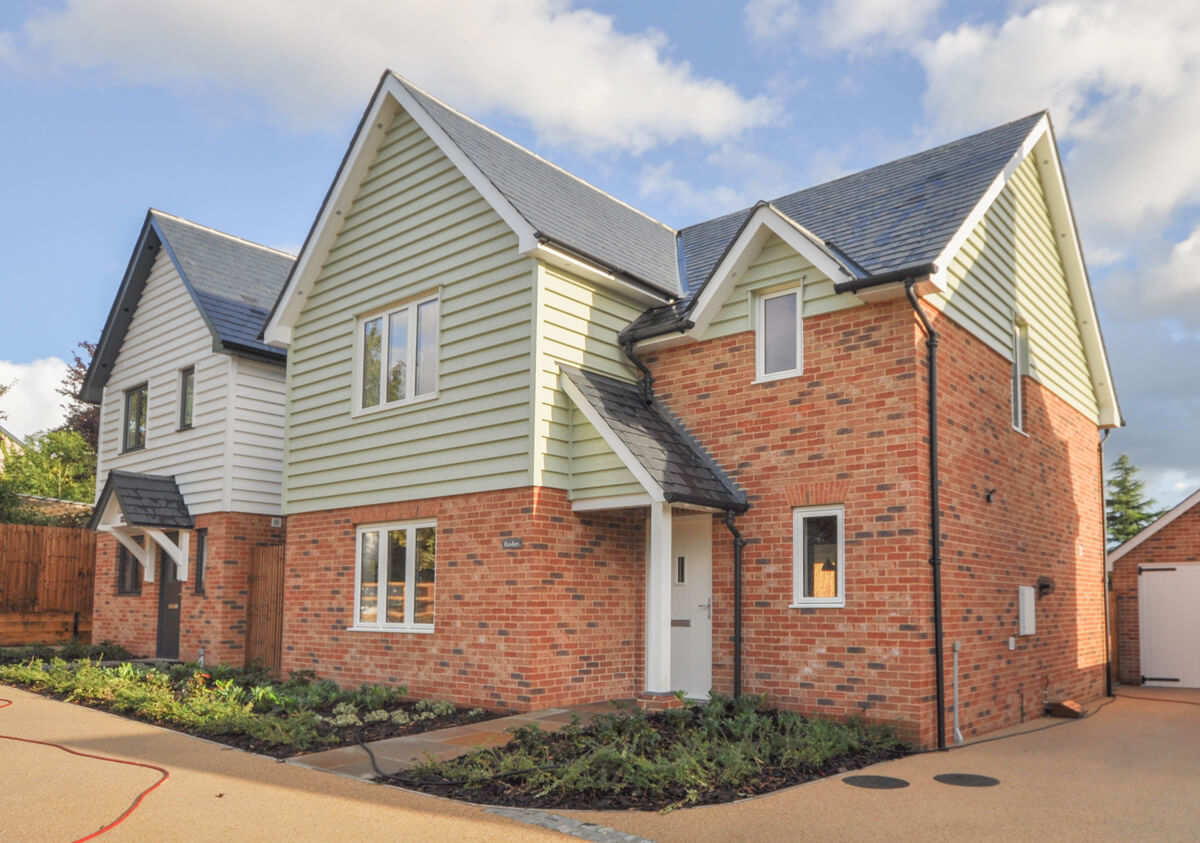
708 754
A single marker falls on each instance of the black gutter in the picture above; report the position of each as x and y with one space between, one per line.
679 323
1108 685
935 514
906 274
738 543
646 382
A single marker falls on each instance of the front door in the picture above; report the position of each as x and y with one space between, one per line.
691 605
170 589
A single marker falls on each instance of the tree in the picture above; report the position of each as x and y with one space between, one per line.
1128 511
82 417
55 464
4 387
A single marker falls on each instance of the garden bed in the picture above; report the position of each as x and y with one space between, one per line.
716 752
241 708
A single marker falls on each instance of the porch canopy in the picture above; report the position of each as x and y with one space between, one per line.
673 470
149 505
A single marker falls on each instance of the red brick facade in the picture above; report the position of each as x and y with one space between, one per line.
213 622
558 621
1177 542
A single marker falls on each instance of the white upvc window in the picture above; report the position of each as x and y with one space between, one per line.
779 335
1020 368
397 355
394 576
818 556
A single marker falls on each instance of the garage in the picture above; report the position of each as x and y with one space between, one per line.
1168 602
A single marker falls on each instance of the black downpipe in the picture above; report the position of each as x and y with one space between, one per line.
738 543
935 516
647 380
1108 685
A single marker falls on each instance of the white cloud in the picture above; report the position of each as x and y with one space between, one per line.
1122 82
566 70
659 182
32 405
839 24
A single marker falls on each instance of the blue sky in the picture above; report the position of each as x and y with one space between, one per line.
236 115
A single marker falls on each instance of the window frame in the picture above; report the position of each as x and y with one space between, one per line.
187 406
125 560
761 375
144 389
1020 368
201 558
384 314
799 601
410 572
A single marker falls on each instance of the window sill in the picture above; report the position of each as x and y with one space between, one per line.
420 630
1021 431
395 405
134 449
129 594
819 604
778 376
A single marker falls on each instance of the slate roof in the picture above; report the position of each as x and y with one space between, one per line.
146 500
889 217
560 206
660 444
233 282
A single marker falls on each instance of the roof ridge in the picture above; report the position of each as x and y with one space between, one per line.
220 233
528 151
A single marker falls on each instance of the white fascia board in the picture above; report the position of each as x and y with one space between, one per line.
1071 253
1163 520
985 202
392 95
764 222
596 274
611 502
612 440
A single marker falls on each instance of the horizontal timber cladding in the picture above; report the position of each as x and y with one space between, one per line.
256 458
578 324
776 265
1010 265
596 471
166 335
557 621
416 227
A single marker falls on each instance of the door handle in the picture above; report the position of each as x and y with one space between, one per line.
706 605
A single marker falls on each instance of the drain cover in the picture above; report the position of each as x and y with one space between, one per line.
966 780
876 782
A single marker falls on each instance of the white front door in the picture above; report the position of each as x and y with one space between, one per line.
1169 624
691 605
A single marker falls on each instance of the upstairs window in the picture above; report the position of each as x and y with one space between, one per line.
187 396
819 557
779 346
135 419
398 354
395 577
1020 368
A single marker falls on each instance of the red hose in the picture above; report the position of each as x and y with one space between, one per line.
165 775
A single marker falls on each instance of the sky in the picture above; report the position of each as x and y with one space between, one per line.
236 113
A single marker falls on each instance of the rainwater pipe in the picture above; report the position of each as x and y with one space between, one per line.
908 276
958 735
738 543
1108 684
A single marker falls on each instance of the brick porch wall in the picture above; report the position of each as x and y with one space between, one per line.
558 621
214 621
1177 542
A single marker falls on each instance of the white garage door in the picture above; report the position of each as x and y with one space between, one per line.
1169 616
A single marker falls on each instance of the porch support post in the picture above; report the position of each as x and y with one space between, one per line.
658 600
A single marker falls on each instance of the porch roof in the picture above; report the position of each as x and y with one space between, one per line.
146 500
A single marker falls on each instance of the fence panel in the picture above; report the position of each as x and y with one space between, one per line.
45 571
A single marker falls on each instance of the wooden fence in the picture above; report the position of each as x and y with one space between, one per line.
264 608
46 578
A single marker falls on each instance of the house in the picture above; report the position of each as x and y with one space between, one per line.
545 449
189 462
10 443
1156 577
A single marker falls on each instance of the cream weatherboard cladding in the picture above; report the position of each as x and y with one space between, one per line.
256 464
1016 240
777 265
166 335
416 226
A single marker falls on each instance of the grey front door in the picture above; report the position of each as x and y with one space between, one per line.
170 590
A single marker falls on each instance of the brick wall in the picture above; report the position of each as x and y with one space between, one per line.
558 621
852 430
1177 542
214 621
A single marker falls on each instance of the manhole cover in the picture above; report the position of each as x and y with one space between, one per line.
966 780
876 782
